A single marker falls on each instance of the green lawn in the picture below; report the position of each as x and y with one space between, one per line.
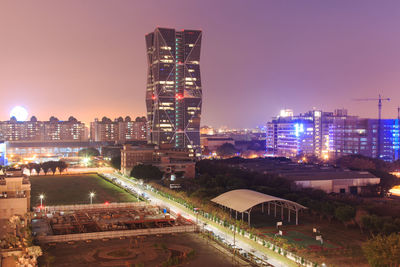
74 189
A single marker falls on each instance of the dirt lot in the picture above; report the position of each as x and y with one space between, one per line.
188 248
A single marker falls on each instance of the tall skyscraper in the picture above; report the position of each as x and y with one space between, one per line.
174 92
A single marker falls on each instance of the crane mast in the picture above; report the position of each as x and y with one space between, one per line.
380 99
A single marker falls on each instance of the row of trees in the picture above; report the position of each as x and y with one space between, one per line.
47 166
146 172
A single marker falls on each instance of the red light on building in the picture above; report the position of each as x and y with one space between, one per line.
153 97
106 203
178 96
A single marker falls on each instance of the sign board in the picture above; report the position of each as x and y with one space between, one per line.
278 223
174 186
318 237
314 230
280 232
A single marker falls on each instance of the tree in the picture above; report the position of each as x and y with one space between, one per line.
387 181
62 165
356 162
383 250
53 166
88 152
226 150
146 172
37 168
45 167
345 213
116 162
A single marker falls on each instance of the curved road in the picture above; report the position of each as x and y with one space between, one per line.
178 209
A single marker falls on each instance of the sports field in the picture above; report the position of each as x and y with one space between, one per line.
75 189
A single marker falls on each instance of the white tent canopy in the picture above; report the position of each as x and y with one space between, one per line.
243 200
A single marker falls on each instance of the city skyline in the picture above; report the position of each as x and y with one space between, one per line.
322 55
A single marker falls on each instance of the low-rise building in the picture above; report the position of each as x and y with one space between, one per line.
173 162
327 178
15 194
342 181
212 143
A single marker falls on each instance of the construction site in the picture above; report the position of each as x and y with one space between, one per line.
79 222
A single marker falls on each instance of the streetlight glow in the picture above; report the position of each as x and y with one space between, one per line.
91 195
41 196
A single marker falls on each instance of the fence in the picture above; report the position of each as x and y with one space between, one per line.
95 206
117 234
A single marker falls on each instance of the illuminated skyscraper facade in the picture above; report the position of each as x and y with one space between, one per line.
331 135
174 91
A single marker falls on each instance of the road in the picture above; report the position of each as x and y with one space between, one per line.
139 189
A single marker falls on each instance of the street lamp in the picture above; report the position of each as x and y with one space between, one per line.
91 195
41 196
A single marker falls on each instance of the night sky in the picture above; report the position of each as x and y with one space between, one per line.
88 58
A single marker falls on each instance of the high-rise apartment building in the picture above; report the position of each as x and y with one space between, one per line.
34 130
174 91
120 130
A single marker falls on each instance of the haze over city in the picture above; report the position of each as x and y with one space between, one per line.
88 59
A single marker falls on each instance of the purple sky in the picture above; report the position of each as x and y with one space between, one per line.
87 58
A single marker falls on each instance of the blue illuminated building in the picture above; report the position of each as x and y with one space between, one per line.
3 158
330 135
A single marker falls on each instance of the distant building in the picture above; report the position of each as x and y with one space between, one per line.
174 89
173 162
328 179
132 130
15 194
212 143
3 153
205 130
338 181
120 130
34 130
25 151
104 130
330 135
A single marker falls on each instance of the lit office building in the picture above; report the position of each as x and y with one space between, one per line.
304 134
174 91
330 135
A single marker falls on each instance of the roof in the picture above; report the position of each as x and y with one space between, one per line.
243 199
327 175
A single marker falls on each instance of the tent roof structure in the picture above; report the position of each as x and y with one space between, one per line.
243 200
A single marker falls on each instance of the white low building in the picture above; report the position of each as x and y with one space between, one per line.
342 181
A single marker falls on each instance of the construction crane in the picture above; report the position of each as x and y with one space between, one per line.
379 99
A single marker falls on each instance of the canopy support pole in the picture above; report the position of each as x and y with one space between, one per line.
269 208
262 207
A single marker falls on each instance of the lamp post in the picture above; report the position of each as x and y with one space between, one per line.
91 195
41 196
